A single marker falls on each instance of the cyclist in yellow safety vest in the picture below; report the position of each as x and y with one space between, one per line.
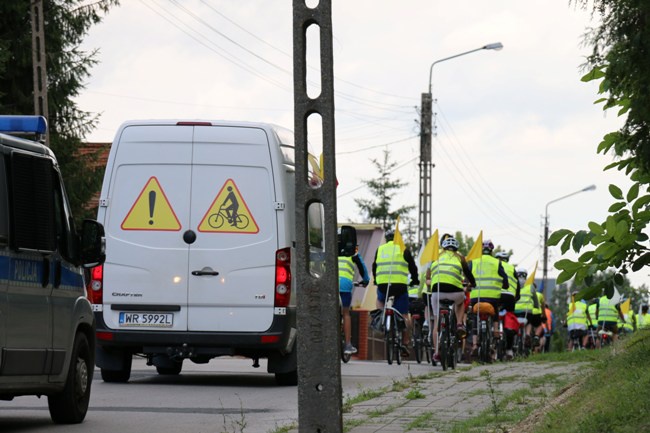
526 304
539 339
490 278
643 319
444 280
577 321
509 298
346 285
608 316
626 324
391 269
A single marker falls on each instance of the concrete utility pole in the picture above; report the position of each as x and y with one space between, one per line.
424 216
318 320
38 63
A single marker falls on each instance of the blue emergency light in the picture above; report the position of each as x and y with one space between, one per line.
23 124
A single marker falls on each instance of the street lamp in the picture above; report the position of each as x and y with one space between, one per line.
424 218
545 270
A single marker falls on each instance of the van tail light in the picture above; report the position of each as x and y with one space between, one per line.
95 287
282 277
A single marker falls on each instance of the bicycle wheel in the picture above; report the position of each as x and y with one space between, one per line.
453 343
483 343
241 222
417 340
389 340
443 340
216 220
397 338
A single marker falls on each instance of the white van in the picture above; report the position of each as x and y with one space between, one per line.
199 221
47 329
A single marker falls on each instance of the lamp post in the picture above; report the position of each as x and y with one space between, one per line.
424 217
545 270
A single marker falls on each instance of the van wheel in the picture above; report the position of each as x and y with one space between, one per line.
170 371
287 379
119 376
70 405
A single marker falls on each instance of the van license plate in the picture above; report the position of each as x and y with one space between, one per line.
158 320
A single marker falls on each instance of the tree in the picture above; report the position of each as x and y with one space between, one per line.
620 62
66 23
383 189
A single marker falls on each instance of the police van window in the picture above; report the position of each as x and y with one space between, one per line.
4 205
31 203
62 220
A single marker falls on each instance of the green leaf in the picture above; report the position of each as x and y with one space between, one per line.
633 192
585 257
619 280
640 202
596 228
616 192
594 74
566 244
616 207
564 277
566 264
557 235
579 240
641 262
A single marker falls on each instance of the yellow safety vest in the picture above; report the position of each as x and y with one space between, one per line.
579 315
606 312
346 267
391 266
488 280
628 323
643 321
512 280
525 302
447 269
540 303
591 309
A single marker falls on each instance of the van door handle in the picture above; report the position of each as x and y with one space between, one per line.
205 271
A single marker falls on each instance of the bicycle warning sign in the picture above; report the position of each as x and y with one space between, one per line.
151 210
228 213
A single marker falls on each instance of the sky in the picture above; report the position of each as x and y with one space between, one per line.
515 128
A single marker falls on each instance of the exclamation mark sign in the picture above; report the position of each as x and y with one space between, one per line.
152 205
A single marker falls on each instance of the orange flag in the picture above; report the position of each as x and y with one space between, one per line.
477 250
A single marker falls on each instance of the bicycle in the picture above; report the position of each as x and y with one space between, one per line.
420 331
485 338
394 324
576 336
216 220
447 340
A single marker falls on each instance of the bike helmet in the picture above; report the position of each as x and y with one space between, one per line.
502 255
389 235
488 246
521 272
450 243
445 236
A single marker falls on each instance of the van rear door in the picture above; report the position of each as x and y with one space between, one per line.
232 261
146 270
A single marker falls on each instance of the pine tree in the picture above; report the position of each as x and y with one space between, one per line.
66 23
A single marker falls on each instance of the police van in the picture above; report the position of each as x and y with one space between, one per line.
199 219
46 321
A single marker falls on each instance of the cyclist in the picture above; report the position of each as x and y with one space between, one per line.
509 298
444 280
643 319
346 276
577 321
608 316
538 319
490 279
391 269
592 322
527 303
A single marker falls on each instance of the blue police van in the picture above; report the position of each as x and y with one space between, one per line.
46 322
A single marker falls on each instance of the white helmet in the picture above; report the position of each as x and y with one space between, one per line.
521 272
502 255
450 243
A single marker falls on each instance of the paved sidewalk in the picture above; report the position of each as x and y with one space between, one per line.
440 400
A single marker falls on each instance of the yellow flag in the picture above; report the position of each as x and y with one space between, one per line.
397 239
531 278
625 307
572 308
431 251
477 250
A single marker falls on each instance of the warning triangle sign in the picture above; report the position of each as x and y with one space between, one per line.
151 210
228 213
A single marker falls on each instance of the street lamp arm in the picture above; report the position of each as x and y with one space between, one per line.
589 188
494 46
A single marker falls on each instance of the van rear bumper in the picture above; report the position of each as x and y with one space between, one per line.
278 338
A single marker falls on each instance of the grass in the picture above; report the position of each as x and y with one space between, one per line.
364 395
414 394
614 398
422 421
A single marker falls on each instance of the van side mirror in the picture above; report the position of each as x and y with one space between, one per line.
347 240
92 244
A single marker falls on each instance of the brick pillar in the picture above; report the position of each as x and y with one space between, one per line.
362 330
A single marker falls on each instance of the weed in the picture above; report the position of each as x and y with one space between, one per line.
381 411
364 395
414 394
352 423
464 379
422 421
284 429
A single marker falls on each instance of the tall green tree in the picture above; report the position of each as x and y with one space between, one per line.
383 189
620 62
66 24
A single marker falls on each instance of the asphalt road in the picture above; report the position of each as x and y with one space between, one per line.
220 396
